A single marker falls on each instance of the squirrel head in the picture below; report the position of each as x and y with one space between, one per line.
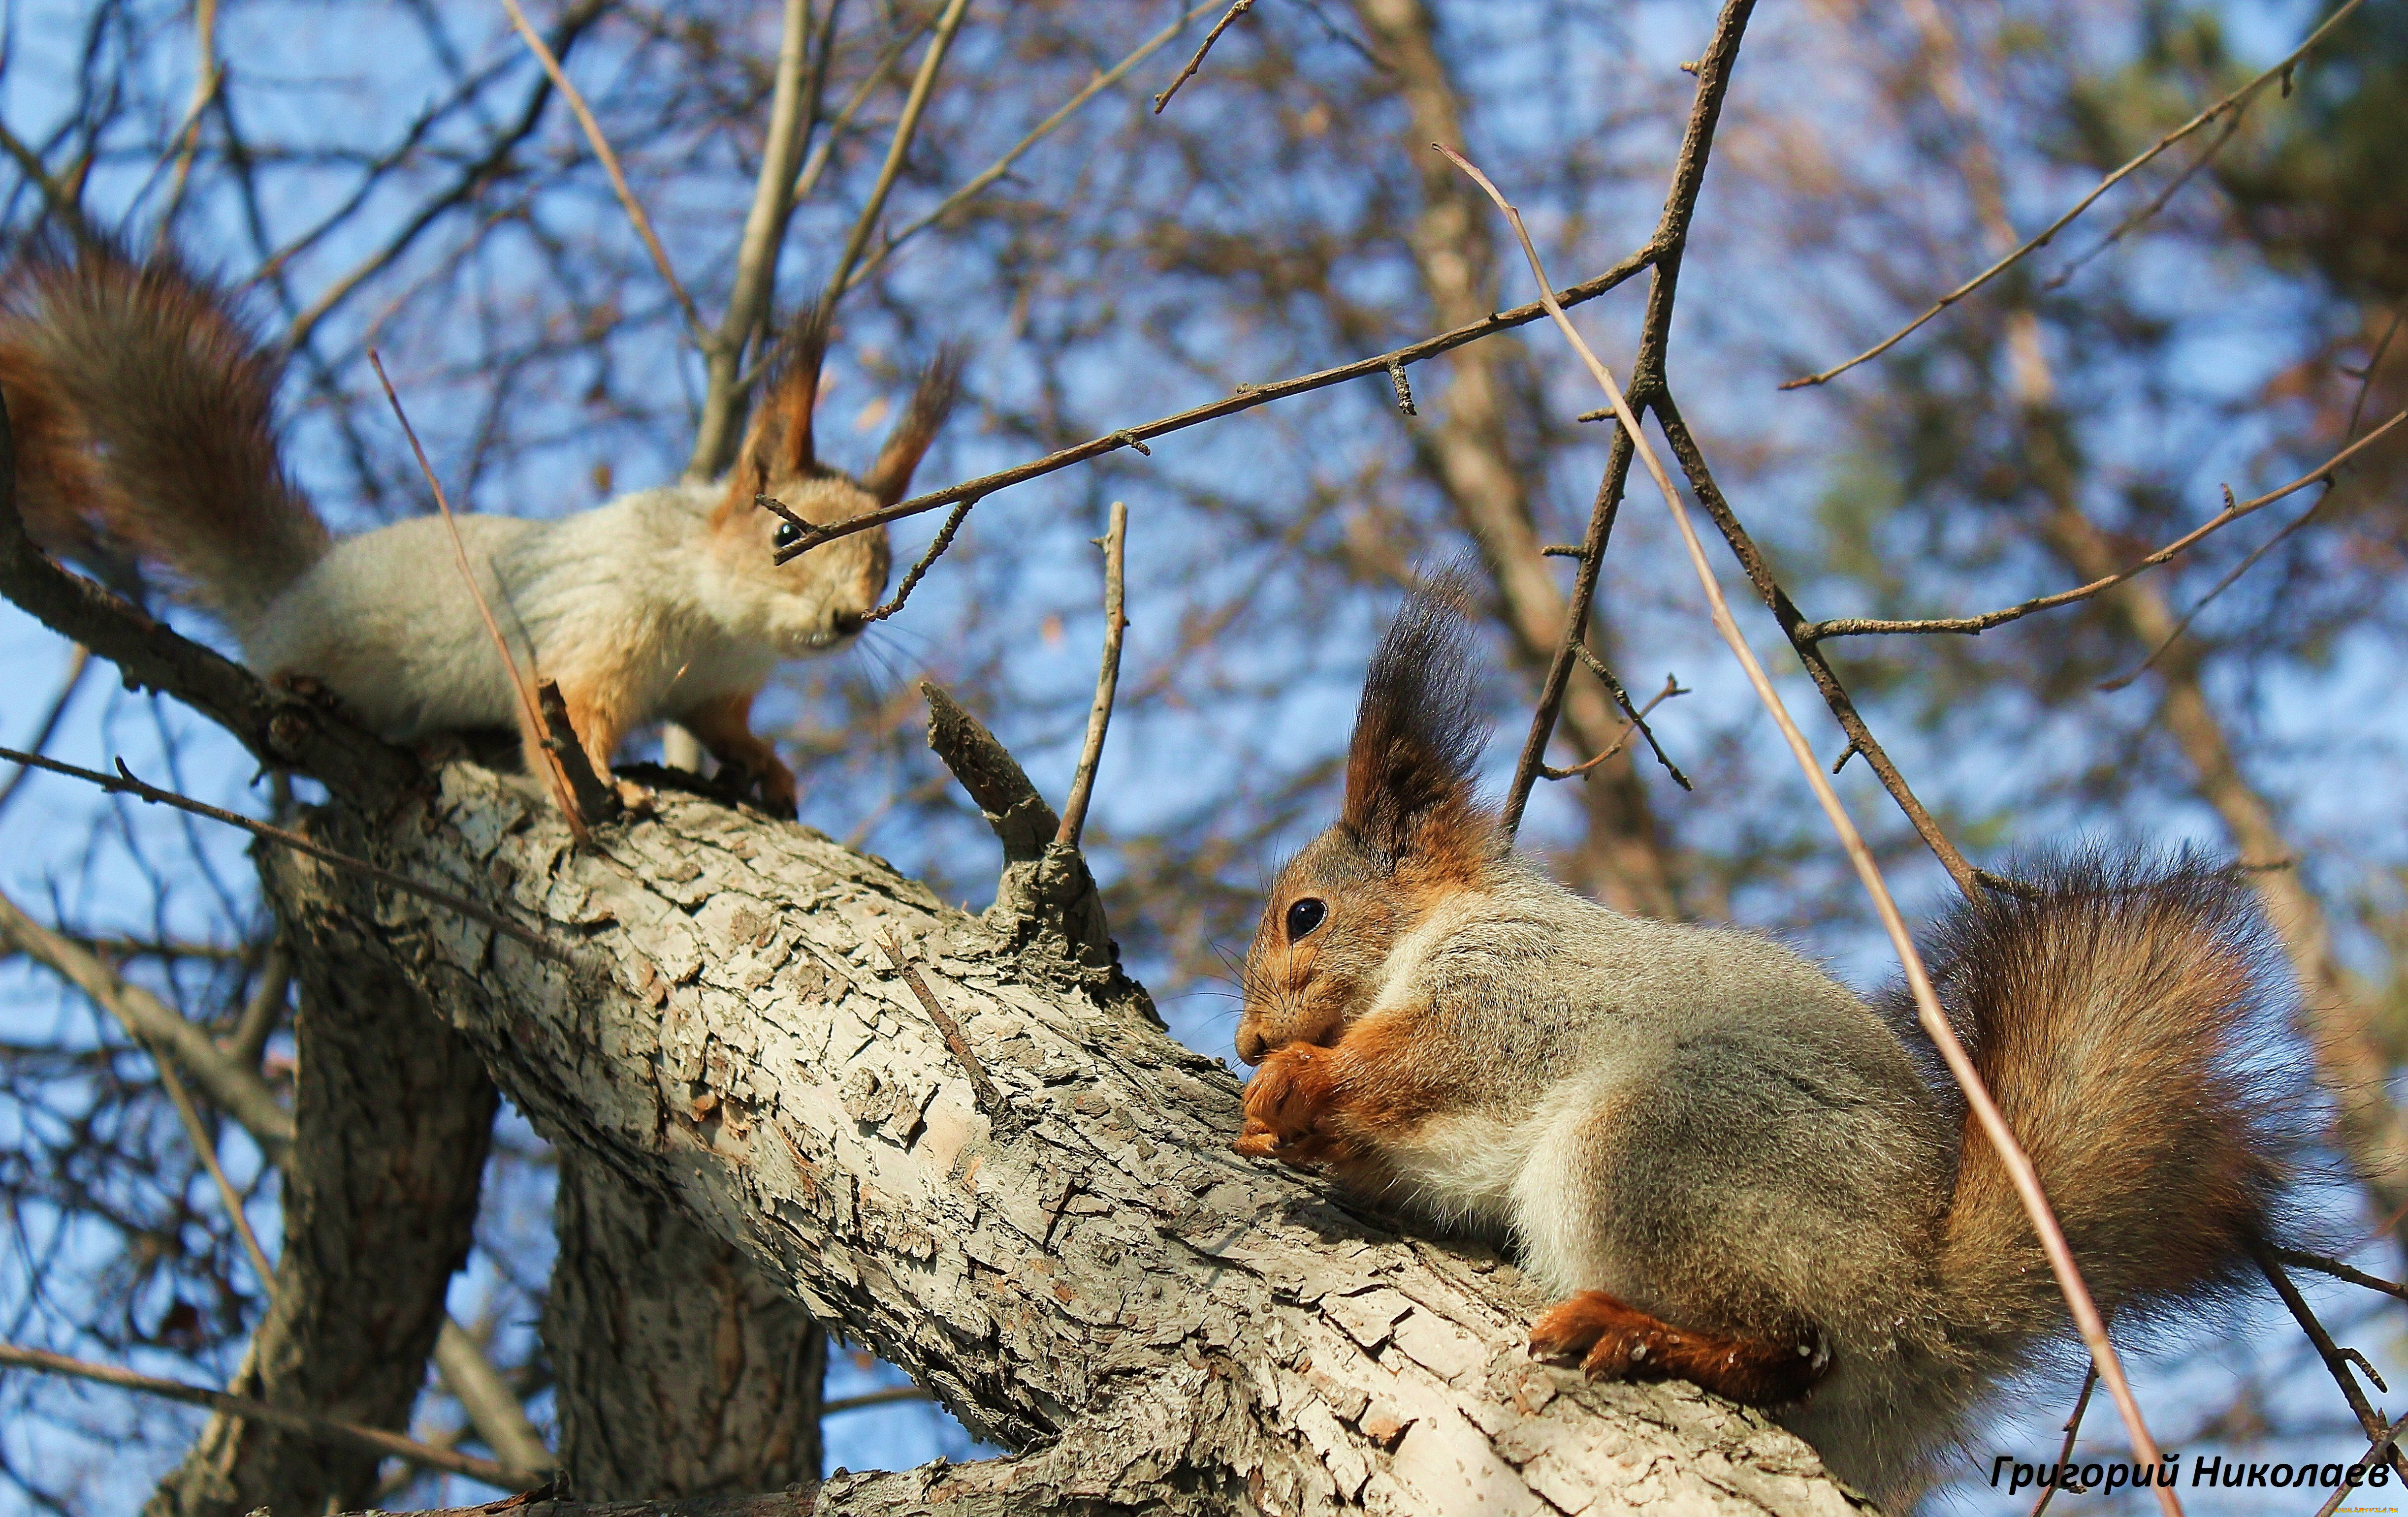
1411 833
816 600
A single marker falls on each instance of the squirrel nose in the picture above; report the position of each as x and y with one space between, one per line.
847 623
1252 1045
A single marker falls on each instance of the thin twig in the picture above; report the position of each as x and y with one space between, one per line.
2156 203
206 1146
123 782
2239 97
2377 1450
906 125
2337 1360
1622 698
990 1099
60 200
531 717
1928 1009
806 179
77 663
1970 625
919 566
2072 1431
887 1398
1636 722
1108 677
1245 398
234 1088
792 109
1237 9
325 1429
206 79
1713 69
996 170
2339 1270
601 146
2110 686
2357 409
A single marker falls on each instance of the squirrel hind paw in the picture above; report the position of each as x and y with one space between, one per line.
1612 1341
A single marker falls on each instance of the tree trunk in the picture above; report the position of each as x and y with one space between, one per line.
391 1116
1059 1245
681 1369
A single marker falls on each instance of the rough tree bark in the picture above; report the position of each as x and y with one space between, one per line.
392 1115
1045 1227
1466 450
681 1370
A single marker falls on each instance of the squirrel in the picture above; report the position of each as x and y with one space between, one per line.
1723 1164
141 411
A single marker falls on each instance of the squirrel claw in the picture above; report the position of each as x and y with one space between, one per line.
1620 1342
1286 1101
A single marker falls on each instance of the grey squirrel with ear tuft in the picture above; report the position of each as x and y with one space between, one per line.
141 413
1727 1166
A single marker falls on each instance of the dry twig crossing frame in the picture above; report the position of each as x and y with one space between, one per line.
1934 1021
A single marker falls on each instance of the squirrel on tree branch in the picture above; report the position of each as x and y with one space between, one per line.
1728 1166
142 415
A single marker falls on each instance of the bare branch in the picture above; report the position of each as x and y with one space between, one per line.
1099 714
1236 8
2072 1431
2236 99
1637 722
978 182
1714 73
327 1429
1927 1001
601 146
123 782
2336 1359
792 109
1246 398
906 125
1862 626
533 719
48 727
156 1026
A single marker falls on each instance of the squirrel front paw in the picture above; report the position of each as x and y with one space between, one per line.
767 775
1286 1101
1616 1342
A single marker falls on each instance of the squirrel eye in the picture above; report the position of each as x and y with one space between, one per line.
1303 916
788 535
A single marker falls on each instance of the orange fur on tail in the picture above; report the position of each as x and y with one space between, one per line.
2111 1010
143 419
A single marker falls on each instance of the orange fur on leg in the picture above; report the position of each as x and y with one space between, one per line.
725 727
1312 1105
1622 1342
600 728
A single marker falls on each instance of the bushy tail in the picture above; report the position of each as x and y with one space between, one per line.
141 414
2123 1012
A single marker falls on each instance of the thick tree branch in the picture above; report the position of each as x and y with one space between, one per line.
1106 1283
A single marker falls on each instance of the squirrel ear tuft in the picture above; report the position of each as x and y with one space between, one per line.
778 437
891 476
1419 730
